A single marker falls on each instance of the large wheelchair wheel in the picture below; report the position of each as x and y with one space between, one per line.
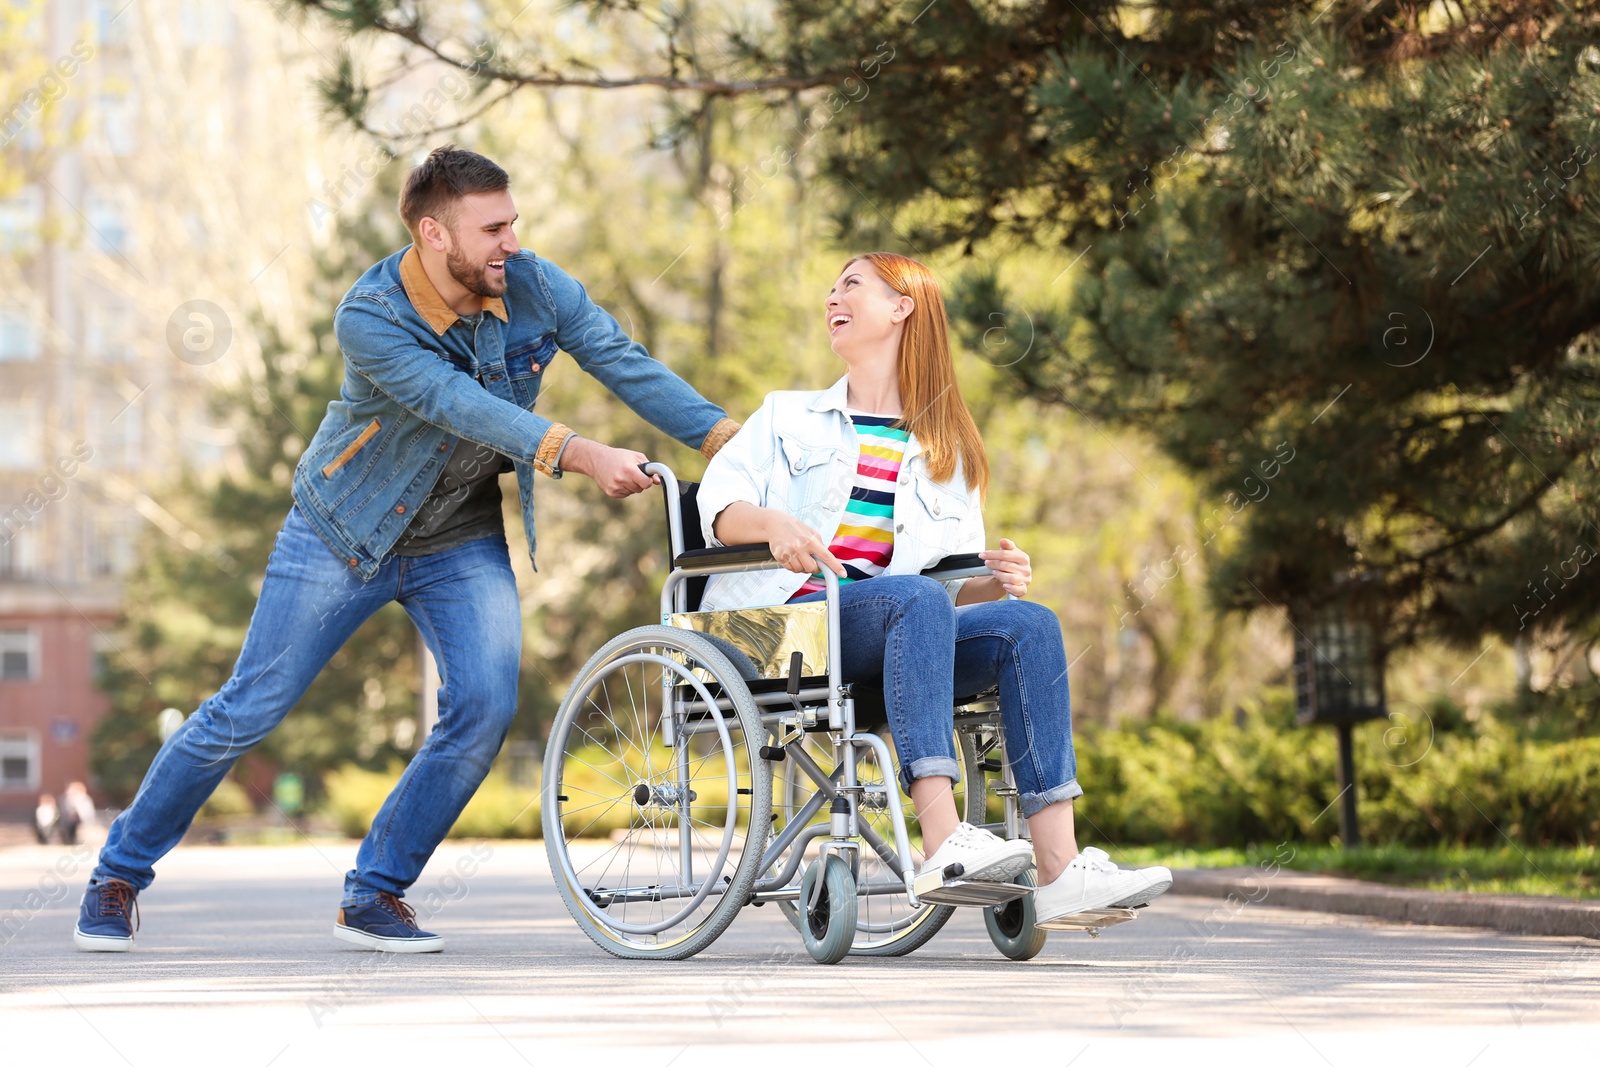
886 923
650 844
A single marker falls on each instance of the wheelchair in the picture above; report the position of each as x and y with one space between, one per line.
718 760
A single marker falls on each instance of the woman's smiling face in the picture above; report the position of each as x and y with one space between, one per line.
862 310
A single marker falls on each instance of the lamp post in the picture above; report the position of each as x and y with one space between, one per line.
1338 668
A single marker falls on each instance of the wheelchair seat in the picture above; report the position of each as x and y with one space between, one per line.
872 712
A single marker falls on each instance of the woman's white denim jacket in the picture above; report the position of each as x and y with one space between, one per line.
798 454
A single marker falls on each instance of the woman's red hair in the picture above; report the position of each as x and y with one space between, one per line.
930 399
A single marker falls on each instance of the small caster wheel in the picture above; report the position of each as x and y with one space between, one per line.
829 923
1011 925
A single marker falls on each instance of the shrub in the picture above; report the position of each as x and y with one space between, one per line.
354 795
228 800
498 809
1258 779
1252 779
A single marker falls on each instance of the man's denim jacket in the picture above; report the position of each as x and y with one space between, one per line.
798 454
415 384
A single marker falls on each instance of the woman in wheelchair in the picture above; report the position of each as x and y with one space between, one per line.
879 477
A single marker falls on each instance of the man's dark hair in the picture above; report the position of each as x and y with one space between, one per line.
448 174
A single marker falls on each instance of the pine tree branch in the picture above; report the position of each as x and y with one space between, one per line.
1473 34
1472 534
361 125
413 34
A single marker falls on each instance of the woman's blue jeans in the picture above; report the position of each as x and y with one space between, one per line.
902 632
464 601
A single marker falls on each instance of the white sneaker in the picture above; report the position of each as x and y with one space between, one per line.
1159 880
983 856
1092 881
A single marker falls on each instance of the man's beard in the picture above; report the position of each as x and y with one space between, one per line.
472 277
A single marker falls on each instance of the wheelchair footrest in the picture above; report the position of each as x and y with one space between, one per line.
981 894
1092 920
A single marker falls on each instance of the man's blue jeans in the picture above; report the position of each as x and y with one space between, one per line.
464 601
902 632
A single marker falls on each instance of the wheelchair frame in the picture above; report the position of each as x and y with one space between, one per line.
786 717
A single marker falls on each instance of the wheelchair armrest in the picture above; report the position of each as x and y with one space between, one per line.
964 565
723 555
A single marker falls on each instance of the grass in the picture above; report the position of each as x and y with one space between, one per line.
1559 872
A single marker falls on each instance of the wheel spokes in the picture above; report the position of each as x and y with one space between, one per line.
657 805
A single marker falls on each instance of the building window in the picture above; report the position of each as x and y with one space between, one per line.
111 19
108 222
19 654
19 221
108 330
19 544
19 435
116 429
205 22
102 649
117 123
108 545
19 760
19 341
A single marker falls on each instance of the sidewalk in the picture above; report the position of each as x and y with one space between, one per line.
235 952
1549 916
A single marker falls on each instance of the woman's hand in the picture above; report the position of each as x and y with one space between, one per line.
791 541
1009 566
793 544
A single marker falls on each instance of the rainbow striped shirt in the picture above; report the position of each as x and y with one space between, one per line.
865 541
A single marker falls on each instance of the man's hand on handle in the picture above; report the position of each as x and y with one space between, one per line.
615 470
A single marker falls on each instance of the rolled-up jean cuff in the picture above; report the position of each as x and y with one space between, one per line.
930 767
1034 803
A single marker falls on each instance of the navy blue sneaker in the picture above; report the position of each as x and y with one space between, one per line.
388 924
103 917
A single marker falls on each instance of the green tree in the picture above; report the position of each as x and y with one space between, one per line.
1350 232
698 217
1349 272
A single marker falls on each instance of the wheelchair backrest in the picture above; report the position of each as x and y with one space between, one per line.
688 511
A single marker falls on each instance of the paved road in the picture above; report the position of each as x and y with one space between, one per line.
235 965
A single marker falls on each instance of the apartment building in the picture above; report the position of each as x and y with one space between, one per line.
148 205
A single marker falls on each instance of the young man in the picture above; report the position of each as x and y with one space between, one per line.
397 498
